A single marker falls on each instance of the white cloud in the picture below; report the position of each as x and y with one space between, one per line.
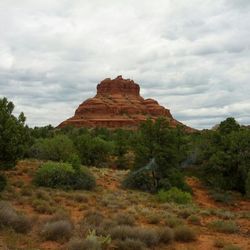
192 56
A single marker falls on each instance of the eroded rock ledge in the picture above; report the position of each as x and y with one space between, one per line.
117 104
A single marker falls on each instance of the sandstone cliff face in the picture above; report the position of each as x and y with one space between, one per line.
117 104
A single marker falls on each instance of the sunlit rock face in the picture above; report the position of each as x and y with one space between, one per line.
117 104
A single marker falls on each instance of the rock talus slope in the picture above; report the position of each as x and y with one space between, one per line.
117 104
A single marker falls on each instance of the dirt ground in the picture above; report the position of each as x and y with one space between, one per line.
111 199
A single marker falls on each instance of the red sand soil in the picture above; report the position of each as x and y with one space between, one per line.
108 182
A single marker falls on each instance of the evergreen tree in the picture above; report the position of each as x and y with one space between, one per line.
14 136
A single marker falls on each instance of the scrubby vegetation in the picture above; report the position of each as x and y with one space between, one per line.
63 175
57 230
224 226
9 218
184 234
174 195
102 189
223 156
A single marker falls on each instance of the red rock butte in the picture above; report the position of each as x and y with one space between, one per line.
118 104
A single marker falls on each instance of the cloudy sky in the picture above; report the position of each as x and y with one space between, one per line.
192 56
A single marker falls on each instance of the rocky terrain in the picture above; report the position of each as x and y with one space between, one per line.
118 104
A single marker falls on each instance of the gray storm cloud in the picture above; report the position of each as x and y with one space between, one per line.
192 56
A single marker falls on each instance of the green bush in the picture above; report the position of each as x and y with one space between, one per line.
93 151
226 156
194 219
58 148
184 234
83 179
174 195
140 179
223 197
3 182
62 175
224 226
75 161
176 179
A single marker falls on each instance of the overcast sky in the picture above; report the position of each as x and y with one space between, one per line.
192 56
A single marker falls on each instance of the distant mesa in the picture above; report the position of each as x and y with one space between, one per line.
118 104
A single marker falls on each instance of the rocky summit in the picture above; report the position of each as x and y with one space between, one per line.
118 104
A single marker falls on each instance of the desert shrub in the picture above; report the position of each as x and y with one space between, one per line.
43 195
59 215
194 219
93 151
244 214
22 224
62 175
104 241
224 226
3 182
125 219
43 207
222 196
83 179
174 195
105 226
26 191
122 232
93 218
52 174
184 234
75 161
185 213
219 243
80 197
231 247
86 244
148 236
153 218
173 221
226 215
10 218
91 221
175 178
57 230
121 146
166 235
57 148
131 244
139 179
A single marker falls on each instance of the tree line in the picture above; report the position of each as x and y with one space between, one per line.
156 154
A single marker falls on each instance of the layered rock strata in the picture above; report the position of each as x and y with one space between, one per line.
117 104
